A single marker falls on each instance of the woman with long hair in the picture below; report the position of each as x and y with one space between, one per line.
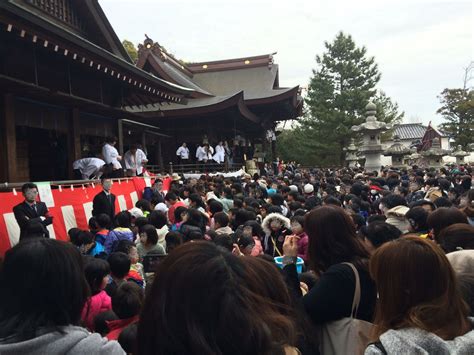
332 244
207 301
420 308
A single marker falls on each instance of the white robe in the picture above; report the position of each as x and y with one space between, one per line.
110 154
183 152
220 154
88 167
136 162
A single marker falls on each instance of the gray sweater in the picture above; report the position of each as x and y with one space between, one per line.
420 342
75 341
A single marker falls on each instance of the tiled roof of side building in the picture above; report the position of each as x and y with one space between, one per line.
411 131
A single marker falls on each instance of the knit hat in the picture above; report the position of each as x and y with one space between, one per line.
308 189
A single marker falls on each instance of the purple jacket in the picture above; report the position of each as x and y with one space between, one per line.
115 236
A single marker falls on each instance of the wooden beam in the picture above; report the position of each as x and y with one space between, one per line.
74 139
8 160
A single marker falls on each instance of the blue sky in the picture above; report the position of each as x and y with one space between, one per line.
421 46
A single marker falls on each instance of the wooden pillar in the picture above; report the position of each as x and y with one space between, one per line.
160 157
120 136
144 141
8 156
74 139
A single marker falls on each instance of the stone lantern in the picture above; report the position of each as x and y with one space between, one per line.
398 152
459 154
435 154
351 155
371 130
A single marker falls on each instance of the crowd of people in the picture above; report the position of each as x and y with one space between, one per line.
333 261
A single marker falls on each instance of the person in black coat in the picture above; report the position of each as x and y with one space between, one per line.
31 211
104 202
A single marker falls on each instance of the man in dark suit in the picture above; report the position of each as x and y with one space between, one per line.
104 202
31 212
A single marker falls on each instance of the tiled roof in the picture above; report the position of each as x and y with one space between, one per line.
410 131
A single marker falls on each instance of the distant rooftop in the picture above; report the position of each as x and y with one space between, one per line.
411 131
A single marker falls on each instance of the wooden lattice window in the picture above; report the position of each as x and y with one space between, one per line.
62 10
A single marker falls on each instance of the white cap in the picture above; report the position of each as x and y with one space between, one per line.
308 189
293 188
136 212
161 207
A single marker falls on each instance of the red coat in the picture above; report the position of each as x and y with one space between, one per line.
98 303
116 326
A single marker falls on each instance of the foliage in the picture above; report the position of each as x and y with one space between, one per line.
343 83
131 50
458 112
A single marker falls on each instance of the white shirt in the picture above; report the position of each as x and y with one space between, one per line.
88 167
110 154
183 152
220 154
201 154
135 162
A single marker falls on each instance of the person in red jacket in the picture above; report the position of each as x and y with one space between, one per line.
97 273
126 304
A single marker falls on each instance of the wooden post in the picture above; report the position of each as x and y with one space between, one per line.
120 137
74 139
8 160
160 158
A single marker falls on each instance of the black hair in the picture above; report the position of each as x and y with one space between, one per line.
123 219
127 300
95 270
141 221
245 241
215 206
125 246
331 200
103 220
119 264
73 234
423 202
151 234
178 212
171 196
224 241
173 239
442 202
417 217
222 219
43 285
274 209
379 233
198 200
277 199
158 219
298 219
144 205
27 186
391 200
257 229
238 203
100 322
93 225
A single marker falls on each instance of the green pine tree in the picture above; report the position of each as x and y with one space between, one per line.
342 85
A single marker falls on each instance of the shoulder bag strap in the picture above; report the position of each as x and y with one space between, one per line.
356 298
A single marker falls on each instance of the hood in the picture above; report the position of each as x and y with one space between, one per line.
398 211
75 340
417 341
266 221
